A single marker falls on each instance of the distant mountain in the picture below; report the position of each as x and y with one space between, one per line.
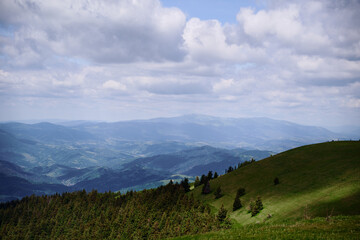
222 132
46 132
139 153
197 161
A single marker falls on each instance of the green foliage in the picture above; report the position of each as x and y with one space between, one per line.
218 193
197 182
206 188
222 214
185 184
210 175
237 203
255 206
150 214
216 175
203 179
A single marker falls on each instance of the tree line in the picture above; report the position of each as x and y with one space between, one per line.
149 214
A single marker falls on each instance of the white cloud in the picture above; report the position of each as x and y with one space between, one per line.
111 31
111 84
138 58
206 41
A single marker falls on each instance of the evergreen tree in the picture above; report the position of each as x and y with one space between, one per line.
203 179
221 216
185 184
218 193
276 181
210 175
237 203
206 188
230 169
256 207
216 175
197 182
259 204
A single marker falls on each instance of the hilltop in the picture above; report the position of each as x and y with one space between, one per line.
315 180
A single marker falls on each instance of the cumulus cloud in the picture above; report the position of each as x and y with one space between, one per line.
100 31
282 60
206 41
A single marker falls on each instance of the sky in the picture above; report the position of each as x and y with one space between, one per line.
139 59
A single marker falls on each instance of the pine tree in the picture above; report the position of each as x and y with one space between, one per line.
185 184
259 204
203 179
218 193
230 169
206 188
216 175
210 175
221 216
256 207
197 182
237 203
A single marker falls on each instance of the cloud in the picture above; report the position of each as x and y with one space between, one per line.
286 59
100 31
111 84
206 41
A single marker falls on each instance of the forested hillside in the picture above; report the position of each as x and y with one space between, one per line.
150 214
282 195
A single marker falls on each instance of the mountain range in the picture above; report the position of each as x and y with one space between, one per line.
43 158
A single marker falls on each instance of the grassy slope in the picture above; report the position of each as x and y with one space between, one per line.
323 178
342 227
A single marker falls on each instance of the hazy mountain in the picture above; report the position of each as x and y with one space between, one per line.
44 157
197 161
222 132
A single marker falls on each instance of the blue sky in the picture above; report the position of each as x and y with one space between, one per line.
134 59
224 11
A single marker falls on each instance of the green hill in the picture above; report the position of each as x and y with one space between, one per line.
315 180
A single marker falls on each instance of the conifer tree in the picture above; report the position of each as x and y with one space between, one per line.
197 182
185 184
210 175
237 203
259 204
216 175
206 188
218 193
203 179
221 216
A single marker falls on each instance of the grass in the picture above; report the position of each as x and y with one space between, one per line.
341 227
315 181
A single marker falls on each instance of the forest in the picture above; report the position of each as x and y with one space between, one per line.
166 211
